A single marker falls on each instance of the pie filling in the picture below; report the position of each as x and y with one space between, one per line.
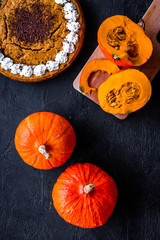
31 27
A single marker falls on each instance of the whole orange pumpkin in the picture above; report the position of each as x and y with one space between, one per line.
84 195
45 140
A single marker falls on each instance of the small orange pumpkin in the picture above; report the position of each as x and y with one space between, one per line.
124 42
84 195
97 64
124 92
45 140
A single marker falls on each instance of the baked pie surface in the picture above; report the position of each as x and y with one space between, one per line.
39 38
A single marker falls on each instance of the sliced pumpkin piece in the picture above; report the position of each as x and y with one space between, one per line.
124 92
124 42
93 66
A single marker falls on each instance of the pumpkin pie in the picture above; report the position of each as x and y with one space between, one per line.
39 38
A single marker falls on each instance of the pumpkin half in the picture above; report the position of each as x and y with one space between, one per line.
45 140
84 195
124 92
93 66
124 42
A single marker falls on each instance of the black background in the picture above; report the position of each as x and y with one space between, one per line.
128 150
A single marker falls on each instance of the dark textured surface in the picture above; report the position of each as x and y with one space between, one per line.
128 150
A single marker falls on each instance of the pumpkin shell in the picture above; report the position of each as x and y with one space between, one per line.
78 208
49 129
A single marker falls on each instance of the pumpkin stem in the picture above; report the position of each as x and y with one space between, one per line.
88 188
43 149
141 23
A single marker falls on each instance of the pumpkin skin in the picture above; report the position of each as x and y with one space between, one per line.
45 129
84 195
93 66
124 92
124 42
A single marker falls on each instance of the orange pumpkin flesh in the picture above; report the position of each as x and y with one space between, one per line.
124 42
45 140
124 92
84 195
93 66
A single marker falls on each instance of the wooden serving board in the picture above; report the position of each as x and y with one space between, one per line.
152 29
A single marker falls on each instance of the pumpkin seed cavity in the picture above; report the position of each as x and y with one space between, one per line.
132 49
129 93
116 35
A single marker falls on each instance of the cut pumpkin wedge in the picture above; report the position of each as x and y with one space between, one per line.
124 42
103 65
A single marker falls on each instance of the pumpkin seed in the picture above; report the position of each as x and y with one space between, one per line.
112 99
117 106
129 89
121 37
117 93
129 100
110 93
113 104
114 44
